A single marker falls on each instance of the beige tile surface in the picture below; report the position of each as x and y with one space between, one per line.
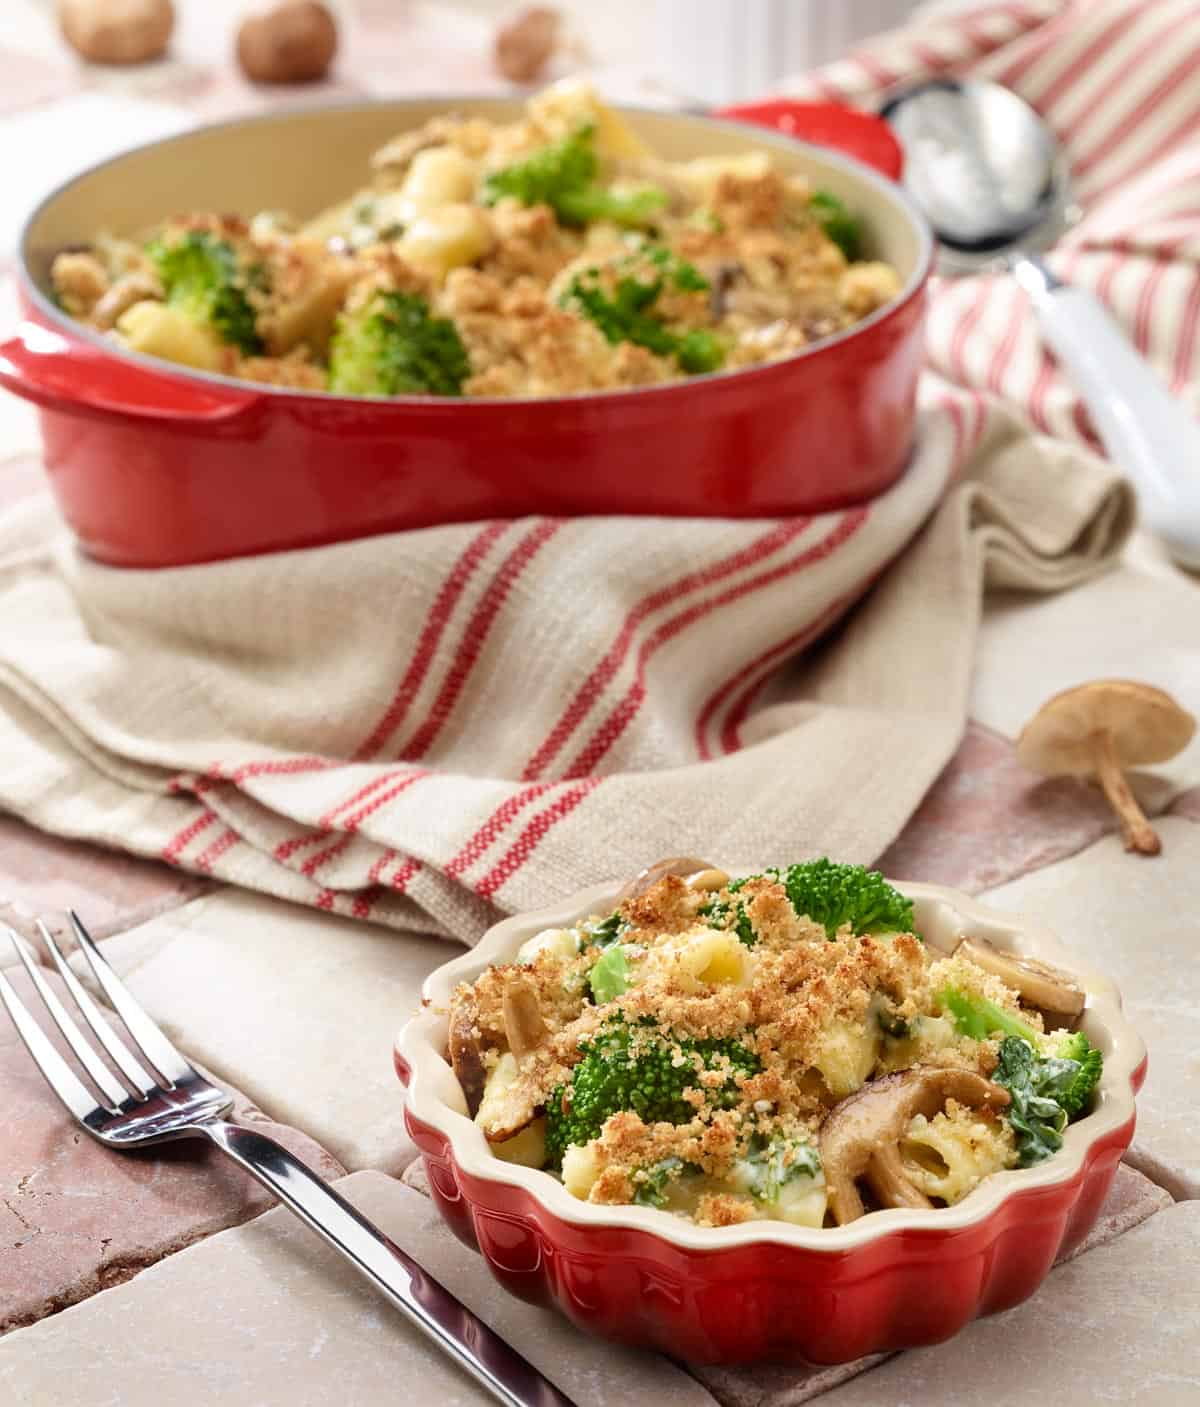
299 1009
41 876
76 1217
1118 1326
1139 622
267 1316
987 819
1135 918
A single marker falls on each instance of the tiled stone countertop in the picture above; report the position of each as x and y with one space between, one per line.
103 1259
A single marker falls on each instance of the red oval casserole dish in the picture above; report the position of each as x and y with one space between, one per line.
155 465
766 1290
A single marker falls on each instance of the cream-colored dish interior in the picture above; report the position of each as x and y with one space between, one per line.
942 916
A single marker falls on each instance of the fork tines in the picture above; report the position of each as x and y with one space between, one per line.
154 1046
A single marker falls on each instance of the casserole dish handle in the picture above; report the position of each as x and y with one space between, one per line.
61 374
845 129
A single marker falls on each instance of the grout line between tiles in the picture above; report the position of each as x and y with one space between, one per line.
1144 1162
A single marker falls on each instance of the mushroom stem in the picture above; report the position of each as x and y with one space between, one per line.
1136 831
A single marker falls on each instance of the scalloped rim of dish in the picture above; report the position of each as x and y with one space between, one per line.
435 1097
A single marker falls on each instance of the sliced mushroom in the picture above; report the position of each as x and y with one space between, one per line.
885 1176
1098 730
861 1134
467 1049
523 1023
720 283
683 866
133 288
1038 984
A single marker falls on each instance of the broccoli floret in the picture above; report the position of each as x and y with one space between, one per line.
610 976
642 1069
636 210
394 346
540 179
979 1018
650 1184
626 314
622 316
832 895
1074 1047
845 229
770 1164
828 894
606 932
563 176
201 277
730 913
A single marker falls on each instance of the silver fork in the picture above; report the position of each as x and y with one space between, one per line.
178 1102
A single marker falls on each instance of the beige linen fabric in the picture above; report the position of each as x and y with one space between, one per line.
429 729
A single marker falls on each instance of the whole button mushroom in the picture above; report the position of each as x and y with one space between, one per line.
524 43
287 41
1098 730
117 31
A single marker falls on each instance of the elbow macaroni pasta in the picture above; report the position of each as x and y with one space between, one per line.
949 1155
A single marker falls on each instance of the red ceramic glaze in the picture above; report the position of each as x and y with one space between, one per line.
766 1301
154 465
857 133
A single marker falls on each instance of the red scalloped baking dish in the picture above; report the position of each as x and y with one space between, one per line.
764 1290
155 465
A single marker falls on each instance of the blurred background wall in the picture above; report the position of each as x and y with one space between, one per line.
717 50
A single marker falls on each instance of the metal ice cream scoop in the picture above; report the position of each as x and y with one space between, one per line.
990 177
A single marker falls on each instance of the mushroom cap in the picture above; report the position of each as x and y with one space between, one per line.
1037 983
681 865
1146 725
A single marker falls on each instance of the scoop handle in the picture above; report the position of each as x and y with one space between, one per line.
1147 432
69 375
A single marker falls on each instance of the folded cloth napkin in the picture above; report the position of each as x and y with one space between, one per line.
430 729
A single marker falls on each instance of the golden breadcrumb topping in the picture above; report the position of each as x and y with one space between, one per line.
734 262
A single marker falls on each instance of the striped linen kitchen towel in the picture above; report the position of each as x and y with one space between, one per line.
431 729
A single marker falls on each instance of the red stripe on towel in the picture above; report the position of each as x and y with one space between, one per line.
173 848
440 612
619 719
602 675
476 633
532 836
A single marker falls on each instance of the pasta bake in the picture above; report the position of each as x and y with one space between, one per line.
781 1046
550 256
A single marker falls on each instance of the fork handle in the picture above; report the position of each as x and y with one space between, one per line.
420 1298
